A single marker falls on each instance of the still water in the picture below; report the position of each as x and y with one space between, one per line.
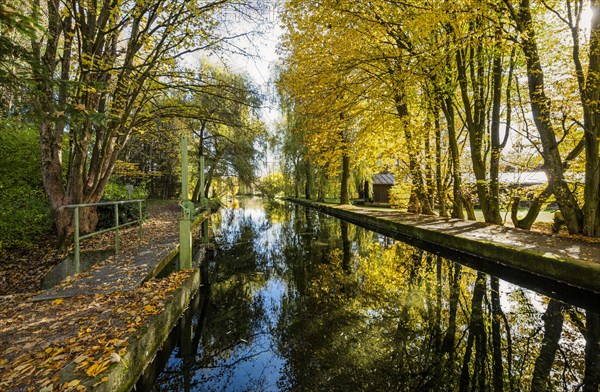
302 301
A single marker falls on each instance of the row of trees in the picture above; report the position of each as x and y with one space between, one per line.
105 81
439 90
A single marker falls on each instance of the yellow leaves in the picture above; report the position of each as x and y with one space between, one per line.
103 380
81 107
92 333
73 384
97 368
150 309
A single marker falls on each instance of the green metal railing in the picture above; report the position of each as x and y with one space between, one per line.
77 237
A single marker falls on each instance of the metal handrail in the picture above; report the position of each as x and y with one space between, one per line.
116 227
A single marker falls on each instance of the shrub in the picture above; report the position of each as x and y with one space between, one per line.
272 185
25 216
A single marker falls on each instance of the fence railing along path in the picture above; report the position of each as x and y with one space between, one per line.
126 270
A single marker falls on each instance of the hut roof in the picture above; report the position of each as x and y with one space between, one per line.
383 179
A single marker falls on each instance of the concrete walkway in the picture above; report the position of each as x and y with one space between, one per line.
123 272
563 259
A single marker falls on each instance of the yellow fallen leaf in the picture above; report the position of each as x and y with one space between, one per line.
97 368
58 301
149 308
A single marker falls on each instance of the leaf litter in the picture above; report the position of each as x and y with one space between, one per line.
38 339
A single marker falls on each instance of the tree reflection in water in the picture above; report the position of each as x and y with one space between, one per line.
302 301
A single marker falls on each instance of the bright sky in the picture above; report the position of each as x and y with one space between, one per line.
257 56
259 26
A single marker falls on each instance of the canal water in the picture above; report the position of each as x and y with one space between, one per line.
301 301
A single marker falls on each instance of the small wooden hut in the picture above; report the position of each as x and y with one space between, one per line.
382 183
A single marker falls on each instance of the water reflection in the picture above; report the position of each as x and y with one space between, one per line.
302 301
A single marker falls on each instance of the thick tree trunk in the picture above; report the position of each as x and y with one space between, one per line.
321 190
308 184
591 105
468 204
344 194
533 212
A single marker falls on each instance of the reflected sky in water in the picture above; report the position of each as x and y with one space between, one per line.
302 301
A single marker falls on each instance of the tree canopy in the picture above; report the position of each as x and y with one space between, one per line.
444 93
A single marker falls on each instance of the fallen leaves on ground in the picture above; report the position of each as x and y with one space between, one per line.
38 339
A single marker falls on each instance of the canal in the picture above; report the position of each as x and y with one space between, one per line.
301 301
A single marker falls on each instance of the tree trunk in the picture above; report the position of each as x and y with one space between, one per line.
468 204
591 100
471 59
540 107
321 190
533 211
457 203
497 145
307 185
419 195
344 194
439 181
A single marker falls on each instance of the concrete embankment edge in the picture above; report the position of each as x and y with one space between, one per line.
142 348
571 271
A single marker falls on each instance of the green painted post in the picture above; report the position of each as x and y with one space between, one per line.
185 223
117 228
76 239
203 199
140 219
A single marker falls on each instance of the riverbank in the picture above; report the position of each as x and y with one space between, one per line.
565 260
